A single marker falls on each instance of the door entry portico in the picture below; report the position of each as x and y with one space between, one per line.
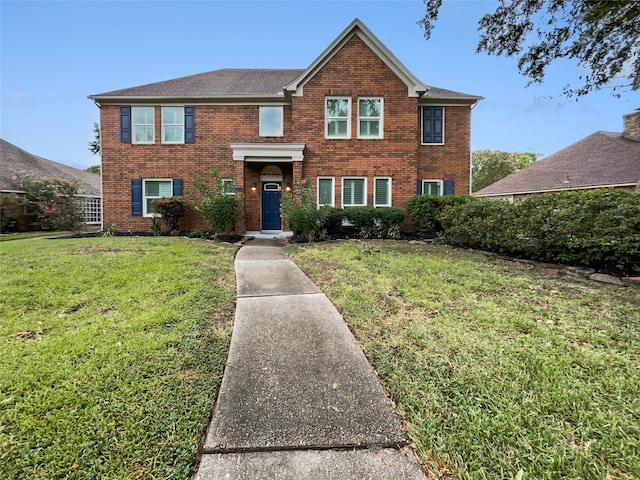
271 196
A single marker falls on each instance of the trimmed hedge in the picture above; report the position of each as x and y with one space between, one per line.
425 210
588 227
370 222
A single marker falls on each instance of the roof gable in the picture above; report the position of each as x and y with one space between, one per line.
603 159
415 87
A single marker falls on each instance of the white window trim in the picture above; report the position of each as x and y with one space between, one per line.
364 193
432 180
232 182
133 125
390 182
444 130
162 109
347 118
380 119
281 132
145 213
333 192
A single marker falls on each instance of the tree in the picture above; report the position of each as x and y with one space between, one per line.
94 146
93 169
489 166
603 36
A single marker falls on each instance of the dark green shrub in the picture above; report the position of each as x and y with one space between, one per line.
299 208
370 222
333 220
425 210
171 209
589 227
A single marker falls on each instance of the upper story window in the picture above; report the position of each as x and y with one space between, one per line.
326 192
271 120
433 125
337 117
143 124
370 117
354 192
172 124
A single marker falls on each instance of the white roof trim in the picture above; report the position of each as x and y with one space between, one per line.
268 152
415 87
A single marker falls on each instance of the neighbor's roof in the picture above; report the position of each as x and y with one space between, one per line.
603 159
226 84
15 161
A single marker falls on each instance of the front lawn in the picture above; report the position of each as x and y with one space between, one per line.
112 352
498 370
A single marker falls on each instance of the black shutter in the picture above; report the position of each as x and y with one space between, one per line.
125 123
418 187
189 125
449 187
136 197
177 187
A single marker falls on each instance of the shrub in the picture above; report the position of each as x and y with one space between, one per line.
425 210
52 202
219 210
171 209
333 220
299 208
589 227
370 222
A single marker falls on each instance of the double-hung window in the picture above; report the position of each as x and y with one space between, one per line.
143 124
370 117
153 189
432 187
271 121
433 125
337 117
172 124
228 186
354 192
382 192
326 192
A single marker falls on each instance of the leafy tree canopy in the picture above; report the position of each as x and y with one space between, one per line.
489 166
94 146
94 169
603 36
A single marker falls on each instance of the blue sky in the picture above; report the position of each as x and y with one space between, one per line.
54 54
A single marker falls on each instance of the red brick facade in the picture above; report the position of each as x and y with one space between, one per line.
353 71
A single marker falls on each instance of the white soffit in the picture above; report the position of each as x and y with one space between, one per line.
268 152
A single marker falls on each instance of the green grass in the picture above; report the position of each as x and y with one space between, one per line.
112 350
496 368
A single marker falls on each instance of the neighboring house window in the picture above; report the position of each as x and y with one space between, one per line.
228 186
382 192
433 125
354 192
337 117
155 189
172 124
91 208
370 117
143 126
326 192
431 187
271 120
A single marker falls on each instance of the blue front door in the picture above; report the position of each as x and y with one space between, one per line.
271 194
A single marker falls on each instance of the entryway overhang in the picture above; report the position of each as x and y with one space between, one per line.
268 152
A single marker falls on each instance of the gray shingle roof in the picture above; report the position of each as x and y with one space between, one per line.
601 159
218 83
15 161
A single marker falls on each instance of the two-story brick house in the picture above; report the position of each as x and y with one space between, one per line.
356 123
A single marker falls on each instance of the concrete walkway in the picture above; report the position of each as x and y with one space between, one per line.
298 398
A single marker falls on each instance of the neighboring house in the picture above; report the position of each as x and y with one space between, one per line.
355 123
15 162
603 159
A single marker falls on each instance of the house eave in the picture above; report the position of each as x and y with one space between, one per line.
528 192
195 99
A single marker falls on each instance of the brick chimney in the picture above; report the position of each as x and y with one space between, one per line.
631 128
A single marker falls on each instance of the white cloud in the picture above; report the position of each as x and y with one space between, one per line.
19 97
